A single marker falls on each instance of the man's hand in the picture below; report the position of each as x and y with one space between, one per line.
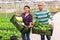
52 25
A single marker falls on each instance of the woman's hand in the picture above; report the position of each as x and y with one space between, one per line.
30 24
33 23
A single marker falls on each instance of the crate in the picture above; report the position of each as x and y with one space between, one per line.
39 31
18 25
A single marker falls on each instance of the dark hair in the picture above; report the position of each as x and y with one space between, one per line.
26 6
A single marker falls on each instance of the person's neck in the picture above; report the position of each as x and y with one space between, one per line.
41 10
27 12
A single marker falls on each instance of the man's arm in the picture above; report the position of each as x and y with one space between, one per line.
51 18
34 18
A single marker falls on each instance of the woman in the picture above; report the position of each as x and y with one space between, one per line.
27 19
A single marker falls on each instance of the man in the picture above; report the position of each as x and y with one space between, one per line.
43 15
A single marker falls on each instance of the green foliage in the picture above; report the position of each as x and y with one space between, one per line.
7 29
46 29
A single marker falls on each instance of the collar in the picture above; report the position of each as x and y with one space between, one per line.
40 11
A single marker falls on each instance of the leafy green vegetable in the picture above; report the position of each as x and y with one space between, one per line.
43 28
7 29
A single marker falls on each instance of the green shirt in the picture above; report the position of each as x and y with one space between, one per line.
43 16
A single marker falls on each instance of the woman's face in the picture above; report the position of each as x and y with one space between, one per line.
26 9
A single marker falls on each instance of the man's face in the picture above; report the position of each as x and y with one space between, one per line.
40 6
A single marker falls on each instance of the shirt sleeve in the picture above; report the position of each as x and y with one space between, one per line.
30 18
34 17
21 14
50 16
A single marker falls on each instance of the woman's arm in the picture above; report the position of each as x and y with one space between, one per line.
30 24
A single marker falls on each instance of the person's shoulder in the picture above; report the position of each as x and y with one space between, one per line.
37 11
23 13
45 10
30 14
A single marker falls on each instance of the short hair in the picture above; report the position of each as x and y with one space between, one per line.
26 6
41 3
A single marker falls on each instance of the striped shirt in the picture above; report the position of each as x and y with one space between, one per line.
43 16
